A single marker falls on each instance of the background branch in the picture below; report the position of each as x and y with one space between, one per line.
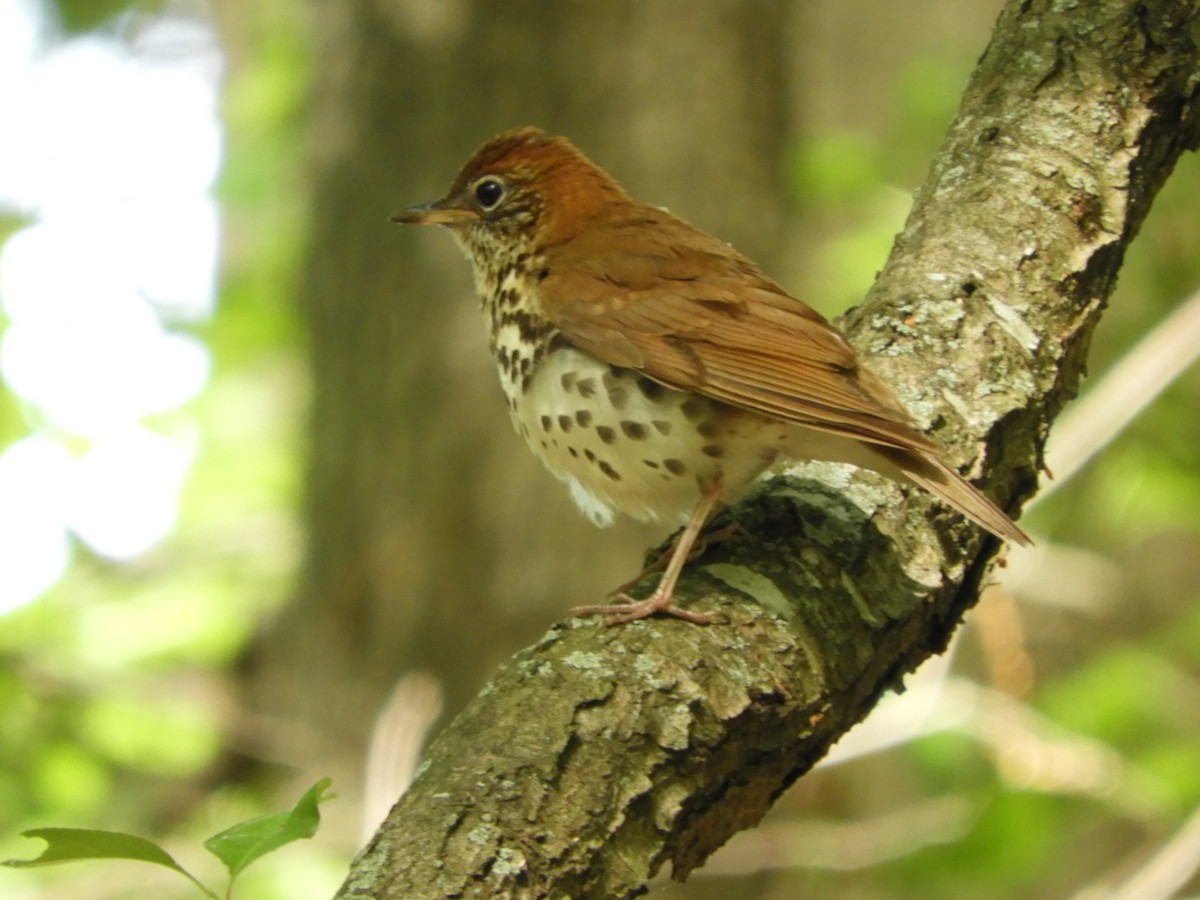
599 754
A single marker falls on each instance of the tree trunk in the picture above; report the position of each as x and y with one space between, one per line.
599 754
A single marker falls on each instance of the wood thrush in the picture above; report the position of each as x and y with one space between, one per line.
651 367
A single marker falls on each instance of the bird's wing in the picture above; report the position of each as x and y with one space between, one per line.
690 313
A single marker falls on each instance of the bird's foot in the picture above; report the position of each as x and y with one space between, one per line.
660 601
631 610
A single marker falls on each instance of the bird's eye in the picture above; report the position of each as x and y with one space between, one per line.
489 191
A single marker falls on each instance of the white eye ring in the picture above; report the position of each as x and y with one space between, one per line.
489 191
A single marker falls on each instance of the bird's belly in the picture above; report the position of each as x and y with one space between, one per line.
622 442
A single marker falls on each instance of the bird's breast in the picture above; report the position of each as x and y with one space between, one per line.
622 442
619 440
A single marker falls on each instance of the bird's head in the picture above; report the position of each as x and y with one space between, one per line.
521 190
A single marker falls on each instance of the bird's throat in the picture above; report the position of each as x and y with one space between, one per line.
520 335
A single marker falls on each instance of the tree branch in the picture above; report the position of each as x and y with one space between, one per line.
600 753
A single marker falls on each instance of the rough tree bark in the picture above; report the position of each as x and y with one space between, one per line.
600 753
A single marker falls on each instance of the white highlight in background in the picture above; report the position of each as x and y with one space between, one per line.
111 150
34 546
122 494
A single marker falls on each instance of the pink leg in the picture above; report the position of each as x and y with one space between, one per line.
660 600
698 550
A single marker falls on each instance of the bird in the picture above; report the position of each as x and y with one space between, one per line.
654 369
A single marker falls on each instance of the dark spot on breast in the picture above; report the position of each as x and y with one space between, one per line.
707 429
609 470
716 451
574 453
675 466
634 430
565 423
586 386
567 380
584 418
546 423
651 463
692 407
606 434
543 274
661 426
652 390
617 394
591 457
530 327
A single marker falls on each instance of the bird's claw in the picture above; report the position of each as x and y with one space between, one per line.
632 610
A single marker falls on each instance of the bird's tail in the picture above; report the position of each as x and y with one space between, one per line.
935 476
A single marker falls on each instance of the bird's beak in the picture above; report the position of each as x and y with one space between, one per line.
440 212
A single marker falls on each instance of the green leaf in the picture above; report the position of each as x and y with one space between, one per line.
70 844
245 842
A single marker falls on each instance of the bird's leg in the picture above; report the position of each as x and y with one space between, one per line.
703 542
660 600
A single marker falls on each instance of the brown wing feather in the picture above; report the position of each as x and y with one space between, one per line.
693 314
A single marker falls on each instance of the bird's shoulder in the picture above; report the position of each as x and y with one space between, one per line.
648 275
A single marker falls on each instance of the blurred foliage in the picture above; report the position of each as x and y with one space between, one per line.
76 16
858 186
12 424
116 687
